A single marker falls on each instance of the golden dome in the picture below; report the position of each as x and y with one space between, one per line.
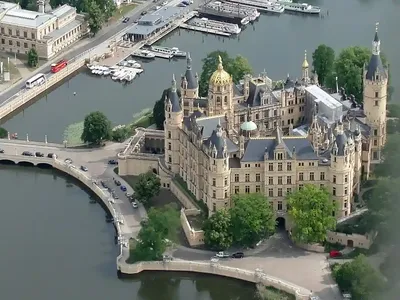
305 62
220 77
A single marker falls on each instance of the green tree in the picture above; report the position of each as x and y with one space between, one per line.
95 16
237 67
159 109
217 231
147 186
389 166
311 211
3 133
323 62
252 219
120 134
359 278
165 220
32 5
96 128
33 58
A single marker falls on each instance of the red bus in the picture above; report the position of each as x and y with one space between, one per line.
58 66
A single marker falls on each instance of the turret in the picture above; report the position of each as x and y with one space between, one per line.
305 69
172 125
375 98
189 82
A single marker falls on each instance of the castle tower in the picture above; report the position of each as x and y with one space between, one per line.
219 175
357 159
305 69
341 171
172 124
375 99
189 83
220 92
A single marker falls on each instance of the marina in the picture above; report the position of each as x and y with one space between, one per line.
215 26
125 71
263 6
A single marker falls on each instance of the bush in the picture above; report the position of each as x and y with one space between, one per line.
120 134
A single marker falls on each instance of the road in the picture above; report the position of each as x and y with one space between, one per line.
104 35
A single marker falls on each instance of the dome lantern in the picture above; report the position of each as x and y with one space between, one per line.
220 77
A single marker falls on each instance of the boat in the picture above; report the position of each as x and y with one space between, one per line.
130 76
106 72
265 6
216 25
245 21
178 53
163 50
134 64
144 54
302 8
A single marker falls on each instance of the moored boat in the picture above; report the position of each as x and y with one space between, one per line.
302 8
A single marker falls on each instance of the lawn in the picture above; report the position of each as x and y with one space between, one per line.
122 11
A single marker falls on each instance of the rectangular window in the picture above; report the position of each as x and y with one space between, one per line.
214 182
226 194
271 204
280 156
271 180
345 190
247 189
288 190
225 181
322 176
375 142
237 190
214 207
247 178
346 178
214 194
289 180
301 186
169 146
32 36
334 179
375 132
169 159
376 103
280 193
312 176
280 167
289 166
236 177
280 206
270 167
9 32
258 177
169 134
376 94
334 191
280 180
258 188
270 192
301 176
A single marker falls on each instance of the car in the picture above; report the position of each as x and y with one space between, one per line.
164 3
123 188
125 20
1 151
143 13
68 161
117 182
128 195
39 154
167 258
51 155
84 169
113 162
238 255
222 254
134 205
335 253
27 153
103 184
115 196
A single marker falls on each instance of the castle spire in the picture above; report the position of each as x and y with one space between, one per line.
188 61
173 83
375 68
305 62
376 43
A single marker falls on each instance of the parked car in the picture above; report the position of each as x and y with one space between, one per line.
84 169
134 205
125 20
113 162
117 182
128 195
123 188
143 13
39 154
238 255
103 184
50 155
222 254
335 253
68 161
1 151
27 153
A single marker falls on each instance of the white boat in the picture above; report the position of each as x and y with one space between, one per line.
266 6
137 71
178 53
245 21
302 8
130 76
123 75
216 25
90 67
163 50
283 1
116 75
106 72
145 54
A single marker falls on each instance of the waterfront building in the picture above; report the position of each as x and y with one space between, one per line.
252 137
48 31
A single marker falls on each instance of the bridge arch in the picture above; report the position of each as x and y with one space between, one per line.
44 166
26 163
7 162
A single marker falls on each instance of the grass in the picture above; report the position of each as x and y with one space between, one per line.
122 11
271 293
132 245
73 133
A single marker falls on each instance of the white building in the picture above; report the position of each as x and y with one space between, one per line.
47 32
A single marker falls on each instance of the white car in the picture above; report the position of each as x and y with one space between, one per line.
222 255
134 205
164 3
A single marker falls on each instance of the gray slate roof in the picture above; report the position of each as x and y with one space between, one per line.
255 148
190 77
217 140
173 97
210 123
341 140
374 67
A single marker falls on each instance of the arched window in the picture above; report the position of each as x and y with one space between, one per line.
218 100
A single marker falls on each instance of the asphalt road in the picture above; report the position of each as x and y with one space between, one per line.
105 34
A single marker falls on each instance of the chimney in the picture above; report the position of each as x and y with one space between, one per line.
40 4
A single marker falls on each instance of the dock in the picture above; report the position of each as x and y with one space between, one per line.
204 30
267 7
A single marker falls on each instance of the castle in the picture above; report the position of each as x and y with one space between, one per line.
251 137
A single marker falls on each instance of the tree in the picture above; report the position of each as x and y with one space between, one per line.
33 58
389 166
95 17
165 220
359 278
311 211
96 128
159 109
252 219
237 68
120 134
323 62
147 186
217 231
32 5
3 133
